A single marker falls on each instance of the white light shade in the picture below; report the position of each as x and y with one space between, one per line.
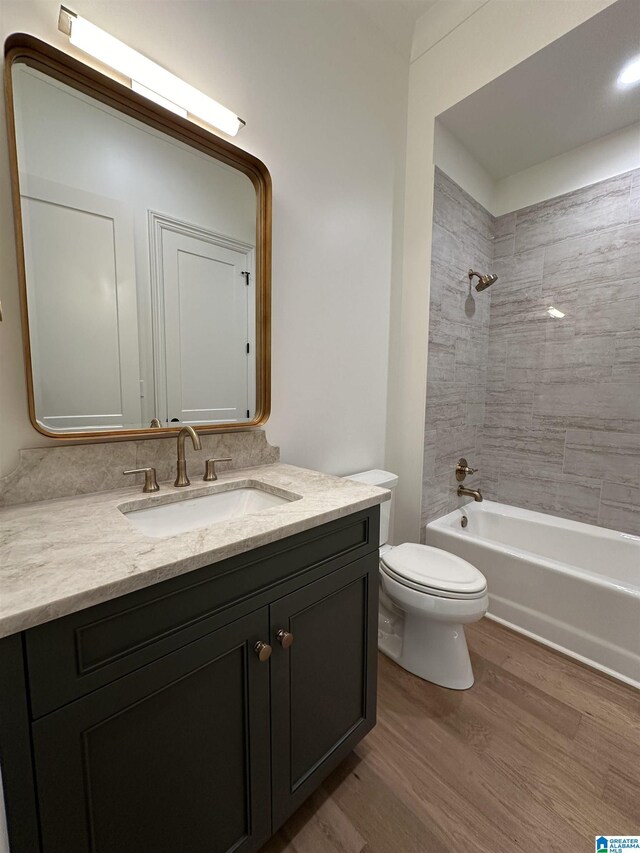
630 74
154 96
153 81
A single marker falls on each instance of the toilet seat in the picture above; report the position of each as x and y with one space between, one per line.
433 571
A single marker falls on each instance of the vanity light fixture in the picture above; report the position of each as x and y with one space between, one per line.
630 74
147 78
553 312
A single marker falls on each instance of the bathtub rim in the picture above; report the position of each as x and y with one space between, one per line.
445 524
597 653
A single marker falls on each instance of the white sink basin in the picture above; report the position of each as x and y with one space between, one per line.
187 514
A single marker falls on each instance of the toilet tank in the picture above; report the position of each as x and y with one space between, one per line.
385 480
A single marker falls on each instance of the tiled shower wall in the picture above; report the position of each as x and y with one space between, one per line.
458 344
561 425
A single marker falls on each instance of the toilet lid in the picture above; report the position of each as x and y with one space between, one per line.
422 566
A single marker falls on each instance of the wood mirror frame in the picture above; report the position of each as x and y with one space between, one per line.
59 65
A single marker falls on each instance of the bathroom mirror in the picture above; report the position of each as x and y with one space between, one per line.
144 253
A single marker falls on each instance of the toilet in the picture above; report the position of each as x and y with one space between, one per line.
426 597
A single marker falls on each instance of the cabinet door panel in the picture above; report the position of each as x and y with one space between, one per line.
172 757
323 686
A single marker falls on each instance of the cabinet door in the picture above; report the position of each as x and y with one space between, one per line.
323 687
173 757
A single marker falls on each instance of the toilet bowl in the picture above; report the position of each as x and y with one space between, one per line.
427 636
427 595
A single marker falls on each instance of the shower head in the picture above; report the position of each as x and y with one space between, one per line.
484 281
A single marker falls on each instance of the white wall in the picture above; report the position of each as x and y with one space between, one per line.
603 158
439 21
324 98
456 161
496 37
598 160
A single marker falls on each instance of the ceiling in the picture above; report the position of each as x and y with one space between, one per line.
396 19
416 8
560 98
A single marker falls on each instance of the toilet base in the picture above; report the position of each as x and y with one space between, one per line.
434 651
424 633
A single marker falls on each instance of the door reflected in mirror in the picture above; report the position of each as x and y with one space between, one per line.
144 280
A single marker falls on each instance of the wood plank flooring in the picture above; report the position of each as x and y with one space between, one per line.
541 754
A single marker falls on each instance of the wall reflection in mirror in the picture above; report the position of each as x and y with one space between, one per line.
140 261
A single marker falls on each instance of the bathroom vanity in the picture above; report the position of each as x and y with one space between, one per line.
179 671
194 713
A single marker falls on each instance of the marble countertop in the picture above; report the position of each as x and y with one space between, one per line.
60 556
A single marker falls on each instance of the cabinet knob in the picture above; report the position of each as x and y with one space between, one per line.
263 650
284 638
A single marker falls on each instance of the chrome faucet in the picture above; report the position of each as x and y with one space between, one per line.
476 494
181 478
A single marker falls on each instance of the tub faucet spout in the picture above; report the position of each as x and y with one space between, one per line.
476 494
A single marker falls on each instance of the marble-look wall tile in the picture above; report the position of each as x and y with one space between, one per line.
574 360
446 405
583 370
442 356
450 446
523 272
620 507
605 256
503 247
509 451
579 501
553 404
591 402
447 212
429 461
634 200
600 454
497 355
471 360
478 227
626 360
524 317
46 473
476 400
615 319
458 343
585 211
504 226
509 403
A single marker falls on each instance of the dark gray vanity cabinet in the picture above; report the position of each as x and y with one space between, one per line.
150 723
323 687
167 758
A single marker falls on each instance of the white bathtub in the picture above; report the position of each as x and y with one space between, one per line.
572 586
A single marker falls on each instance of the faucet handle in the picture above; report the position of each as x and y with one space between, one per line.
150 481
462 469
210 467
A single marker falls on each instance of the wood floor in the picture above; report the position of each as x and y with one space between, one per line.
542 754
